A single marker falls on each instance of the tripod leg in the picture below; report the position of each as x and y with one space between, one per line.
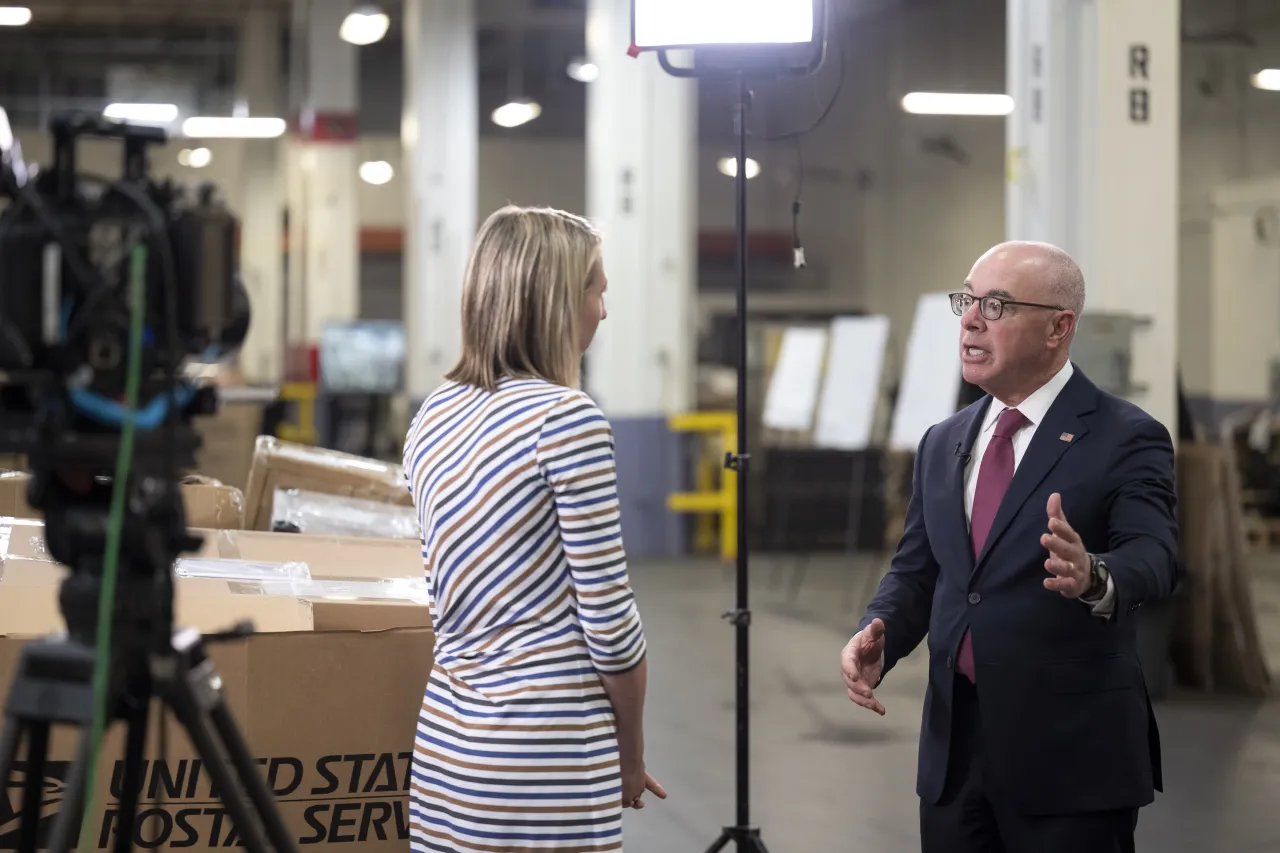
9 742
66 827
134 771
33 784
720 842
252 780
192 718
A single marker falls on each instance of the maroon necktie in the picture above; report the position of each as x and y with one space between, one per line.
993 481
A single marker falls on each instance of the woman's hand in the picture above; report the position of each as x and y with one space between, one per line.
634 785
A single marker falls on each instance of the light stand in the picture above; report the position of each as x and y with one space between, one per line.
744 64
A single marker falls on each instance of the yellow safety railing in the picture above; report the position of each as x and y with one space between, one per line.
711 499
303 396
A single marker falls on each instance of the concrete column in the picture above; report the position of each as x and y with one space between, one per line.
324 228
261 92
1093 161
642 192
440 132
1241 310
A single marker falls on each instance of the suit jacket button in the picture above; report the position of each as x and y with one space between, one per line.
949 661
974 598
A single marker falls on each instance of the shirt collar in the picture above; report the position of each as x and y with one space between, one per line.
1036 406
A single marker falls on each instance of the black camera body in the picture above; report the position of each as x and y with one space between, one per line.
65 247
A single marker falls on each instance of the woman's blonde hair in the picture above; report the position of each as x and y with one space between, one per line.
524 289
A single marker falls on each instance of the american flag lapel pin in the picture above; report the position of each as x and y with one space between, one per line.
1066 436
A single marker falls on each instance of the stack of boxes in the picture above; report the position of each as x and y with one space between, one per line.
326 690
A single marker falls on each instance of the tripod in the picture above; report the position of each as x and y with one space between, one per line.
738 65
742 834
54 684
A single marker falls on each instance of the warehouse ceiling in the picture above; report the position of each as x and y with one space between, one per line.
147 13
73 48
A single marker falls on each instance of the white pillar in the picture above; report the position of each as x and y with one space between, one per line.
261 242
1093 161
440 133
642 193
324 227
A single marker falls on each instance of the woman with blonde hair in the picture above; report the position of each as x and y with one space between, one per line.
531 734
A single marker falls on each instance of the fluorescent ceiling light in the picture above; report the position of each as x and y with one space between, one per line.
957 104
14 16
155 113
376 172
517 112
365 25
1268 78
729 166
680 23
232 127
195 158
583 71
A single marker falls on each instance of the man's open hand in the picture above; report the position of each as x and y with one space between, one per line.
1068 562
862 663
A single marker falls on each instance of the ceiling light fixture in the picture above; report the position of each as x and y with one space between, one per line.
365 25
583 71
729 166
1267 78
14 16
233 127
957 104
376 172
516 112
150 113
195 158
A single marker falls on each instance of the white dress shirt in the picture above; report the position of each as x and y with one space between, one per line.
1034 409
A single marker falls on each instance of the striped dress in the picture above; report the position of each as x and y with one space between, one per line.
516 745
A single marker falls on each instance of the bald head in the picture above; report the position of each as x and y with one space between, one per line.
1012 346
1043 269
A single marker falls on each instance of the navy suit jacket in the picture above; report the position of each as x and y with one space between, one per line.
1067 725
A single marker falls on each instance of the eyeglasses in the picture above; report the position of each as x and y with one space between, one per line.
992 307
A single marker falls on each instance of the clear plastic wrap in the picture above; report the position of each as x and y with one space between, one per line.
23 537
303 511
407 590
240 570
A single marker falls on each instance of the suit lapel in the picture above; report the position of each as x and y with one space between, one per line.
1061 429
968 433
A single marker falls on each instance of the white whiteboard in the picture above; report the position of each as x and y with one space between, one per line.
793 388
851 388
930 386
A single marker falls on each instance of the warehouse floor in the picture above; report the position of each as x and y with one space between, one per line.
828 776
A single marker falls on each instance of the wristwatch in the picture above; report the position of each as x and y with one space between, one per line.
1098 575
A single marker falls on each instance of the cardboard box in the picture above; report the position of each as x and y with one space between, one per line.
286 465
208 503
329 712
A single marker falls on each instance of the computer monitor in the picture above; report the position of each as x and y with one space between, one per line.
362 357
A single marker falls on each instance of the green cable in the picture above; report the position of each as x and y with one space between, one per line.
115 526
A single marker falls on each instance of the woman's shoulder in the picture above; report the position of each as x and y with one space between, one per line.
555 398
453 400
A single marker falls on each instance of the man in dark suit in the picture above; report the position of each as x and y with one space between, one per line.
1042 517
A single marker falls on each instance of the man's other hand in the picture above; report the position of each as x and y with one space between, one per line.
1068 562
862 663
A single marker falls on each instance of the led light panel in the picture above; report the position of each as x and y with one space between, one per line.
694 23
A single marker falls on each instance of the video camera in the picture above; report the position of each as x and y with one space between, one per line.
65 246
108 287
